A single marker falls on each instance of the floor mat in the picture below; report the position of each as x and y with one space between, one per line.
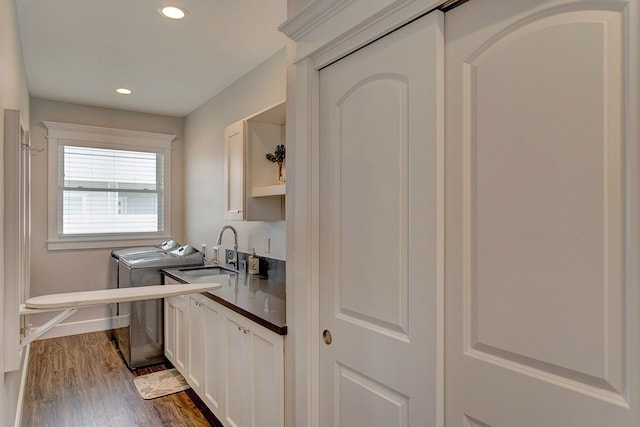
161 383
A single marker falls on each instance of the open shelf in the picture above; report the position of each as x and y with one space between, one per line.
269 190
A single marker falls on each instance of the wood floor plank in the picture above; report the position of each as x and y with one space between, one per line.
81 380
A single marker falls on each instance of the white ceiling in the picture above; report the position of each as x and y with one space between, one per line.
82 50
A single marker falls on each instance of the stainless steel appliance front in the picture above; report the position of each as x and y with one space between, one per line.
139 326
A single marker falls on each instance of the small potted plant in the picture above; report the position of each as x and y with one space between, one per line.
279 157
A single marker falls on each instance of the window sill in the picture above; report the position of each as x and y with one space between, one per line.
72 243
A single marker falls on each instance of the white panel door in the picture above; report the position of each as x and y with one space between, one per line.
541 214
379 204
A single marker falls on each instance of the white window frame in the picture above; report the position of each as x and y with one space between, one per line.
108 138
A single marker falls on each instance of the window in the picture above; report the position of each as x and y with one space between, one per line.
107 187
107 191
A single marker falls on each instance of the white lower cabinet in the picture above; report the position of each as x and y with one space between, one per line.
175 327
214 368
267 382
234 365
205 372
195 343
239 372
254 384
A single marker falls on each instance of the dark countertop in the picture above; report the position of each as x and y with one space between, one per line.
259 298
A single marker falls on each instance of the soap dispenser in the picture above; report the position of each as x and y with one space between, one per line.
254 263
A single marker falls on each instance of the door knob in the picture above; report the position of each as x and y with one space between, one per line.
326 337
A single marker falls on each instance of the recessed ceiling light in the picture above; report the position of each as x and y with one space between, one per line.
123 91
173 12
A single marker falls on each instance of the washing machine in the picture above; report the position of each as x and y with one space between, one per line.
116 254
139 335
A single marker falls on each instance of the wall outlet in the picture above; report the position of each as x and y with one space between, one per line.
229 255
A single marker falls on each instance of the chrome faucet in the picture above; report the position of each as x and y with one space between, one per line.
234 261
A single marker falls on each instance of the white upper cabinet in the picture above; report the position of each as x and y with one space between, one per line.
253 192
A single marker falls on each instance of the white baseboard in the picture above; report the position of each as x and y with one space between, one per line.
85 326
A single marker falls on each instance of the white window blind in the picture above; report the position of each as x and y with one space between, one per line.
109 191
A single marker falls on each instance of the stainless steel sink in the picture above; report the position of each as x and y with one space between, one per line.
206 271
214 274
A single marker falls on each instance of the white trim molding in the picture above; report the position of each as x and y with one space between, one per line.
81 327
311 17
327 30
76 132
101 137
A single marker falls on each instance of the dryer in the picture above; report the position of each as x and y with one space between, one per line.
139 336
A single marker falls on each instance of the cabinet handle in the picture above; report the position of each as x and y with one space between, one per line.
235 211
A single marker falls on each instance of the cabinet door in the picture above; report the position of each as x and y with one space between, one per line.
169 330
268 378
254 374
180 335
238 396
195 345
213 382
234 171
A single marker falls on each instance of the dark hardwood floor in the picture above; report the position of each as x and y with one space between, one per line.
81 380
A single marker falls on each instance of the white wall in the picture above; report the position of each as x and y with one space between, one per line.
204 192
14 94
75 270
